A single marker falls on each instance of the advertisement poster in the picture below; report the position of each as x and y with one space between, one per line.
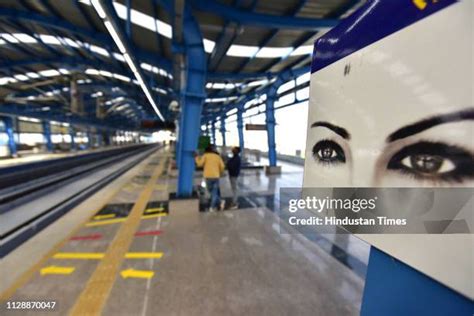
391 110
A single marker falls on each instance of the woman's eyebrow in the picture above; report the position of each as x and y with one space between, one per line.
425 124
336 129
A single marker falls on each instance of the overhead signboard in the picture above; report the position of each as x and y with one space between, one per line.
391 106
255 127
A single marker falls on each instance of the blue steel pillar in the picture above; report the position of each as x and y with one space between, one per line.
213 132
222 130
11 135
107 138
72 133
270 121
190 123
47 136
100 140
89 139
240 127
180 132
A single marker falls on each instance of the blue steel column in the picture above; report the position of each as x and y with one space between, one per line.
193 99
180 133
208 129
213 132
270 121
223 130
100 140
11 135
90 142
240 127
47 136
128 24
108 138
71 133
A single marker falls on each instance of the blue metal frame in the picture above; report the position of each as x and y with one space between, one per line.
15 110
90 142
240 127
270 122
262 20
72 133
11 135
281 78
92 36
213 131
222 130
194 95
47 136
266 40
272 96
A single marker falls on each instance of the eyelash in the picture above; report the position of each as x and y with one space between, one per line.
460 159
329 144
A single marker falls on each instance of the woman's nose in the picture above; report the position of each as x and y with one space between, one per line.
363 168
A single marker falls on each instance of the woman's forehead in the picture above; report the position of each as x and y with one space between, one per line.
389 86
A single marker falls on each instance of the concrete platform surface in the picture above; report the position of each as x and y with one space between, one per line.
166 258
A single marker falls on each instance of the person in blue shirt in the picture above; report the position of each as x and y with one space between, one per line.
233 167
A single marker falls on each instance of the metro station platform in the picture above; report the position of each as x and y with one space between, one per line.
130 250
44 156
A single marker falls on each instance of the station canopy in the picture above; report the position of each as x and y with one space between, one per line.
66 60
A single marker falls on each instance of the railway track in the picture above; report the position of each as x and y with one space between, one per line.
34 195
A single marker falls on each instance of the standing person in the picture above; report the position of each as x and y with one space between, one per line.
233 166
213 167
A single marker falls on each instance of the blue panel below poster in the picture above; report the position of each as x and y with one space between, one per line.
394 288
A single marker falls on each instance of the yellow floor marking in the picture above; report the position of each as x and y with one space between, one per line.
97 290
106 222
156 209
79 255
28 274
153 215
132 273
122 219
57 270
97 217
99 255
143 255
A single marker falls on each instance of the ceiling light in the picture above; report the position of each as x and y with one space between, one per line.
98 8
115 36
274 52
242 51
302 50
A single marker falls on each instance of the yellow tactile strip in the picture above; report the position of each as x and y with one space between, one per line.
93 298
28 274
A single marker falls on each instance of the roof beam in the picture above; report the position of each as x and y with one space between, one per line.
337 13
12 109
262 20
109 17
281 78
73 62
272 35
93 36
226 38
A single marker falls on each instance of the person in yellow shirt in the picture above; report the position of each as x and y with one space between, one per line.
213 167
